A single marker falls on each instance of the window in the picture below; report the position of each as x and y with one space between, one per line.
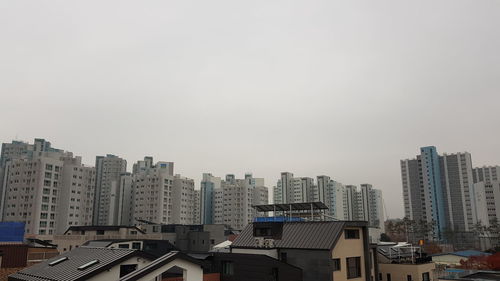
123 246
100 232
275 274
227 268
353 267
426 276
408 277
380 276
283 257
263 231
136 245
388 277
336 264
352 234
127 268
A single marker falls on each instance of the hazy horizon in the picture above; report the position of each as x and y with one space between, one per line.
340 88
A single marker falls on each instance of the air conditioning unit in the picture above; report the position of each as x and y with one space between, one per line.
269 243
259 241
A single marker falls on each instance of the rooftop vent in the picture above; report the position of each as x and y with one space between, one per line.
58 261
87 265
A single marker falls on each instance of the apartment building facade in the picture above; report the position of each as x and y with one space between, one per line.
106 197
230 201
439 189
46 188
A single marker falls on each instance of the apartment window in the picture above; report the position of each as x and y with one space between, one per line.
336 264
100 232
426 276
388 277
352 234
408 278
227 268
353 267
380 276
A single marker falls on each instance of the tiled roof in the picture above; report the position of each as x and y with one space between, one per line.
300 235
68 270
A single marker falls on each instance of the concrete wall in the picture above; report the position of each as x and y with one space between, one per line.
347 248
400 272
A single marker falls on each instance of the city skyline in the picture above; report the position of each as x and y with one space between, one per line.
344 89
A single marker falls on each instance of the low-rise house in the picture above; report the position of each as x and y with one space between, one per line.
402 261
454 258
324 250
471 275
86 263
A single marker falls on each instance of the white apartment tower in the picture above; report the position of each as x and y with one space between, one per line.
160 197
109 168
230 201
46 188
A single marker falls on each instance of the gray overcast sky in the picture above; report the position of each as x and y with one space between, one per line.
342 88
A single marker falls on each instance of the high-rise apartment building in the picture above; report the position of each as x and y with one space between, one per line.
439 190
230 201
109 168
343 202
159 196
46 188
486 174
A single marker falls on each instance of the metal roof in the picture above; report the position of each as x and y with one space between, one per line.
68 270
293 206
300 235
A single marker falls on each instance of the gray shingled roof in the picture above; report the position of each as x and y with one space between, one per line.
68 269
300 235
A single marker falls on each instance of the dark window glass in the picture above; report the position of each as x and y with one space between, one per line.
123 246
283 257
353 267
388 277
352 234
380 276
227 268
336 264
426 276
127 268
100 232
136 245
263 232
408 277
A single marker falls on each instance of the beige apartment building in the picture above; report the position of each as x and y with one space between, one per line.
47 189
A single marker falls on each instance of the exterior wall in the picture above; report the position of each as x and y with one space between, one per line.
114 272
196 208
192 272
346 248
400 272
315 264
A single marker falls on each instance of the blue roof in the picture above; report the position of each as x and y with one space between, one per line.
468 253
